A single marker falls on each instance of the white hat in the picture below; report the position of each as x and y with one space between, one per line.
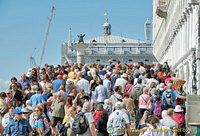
178 109
118 104
124 75
69 81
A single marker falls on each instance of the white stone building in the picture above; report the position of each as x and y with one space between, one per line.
110 47
176 34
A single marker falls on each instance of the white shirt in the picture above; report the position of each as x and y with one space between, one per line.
121 82
100 93
125 116
83 84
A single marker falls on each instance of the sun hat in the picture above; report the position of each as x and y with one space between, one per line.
25 110
178 109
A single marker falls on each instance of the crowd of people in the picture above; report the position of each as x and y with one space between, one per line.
94 99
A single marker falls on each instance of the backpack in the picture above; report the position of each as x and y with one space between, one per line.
169 98
118 123
160 92
80 124
157 110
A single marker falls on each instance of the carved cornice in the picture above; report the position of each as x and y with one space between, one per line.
180 22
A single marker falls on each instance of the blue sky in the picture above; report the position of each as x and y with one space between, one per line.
23 25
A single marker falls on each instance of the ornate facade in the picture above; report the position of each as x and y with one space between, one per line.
176 34
110 47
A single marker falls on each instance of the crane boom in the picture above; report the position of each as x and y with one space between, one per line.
46 35
33 61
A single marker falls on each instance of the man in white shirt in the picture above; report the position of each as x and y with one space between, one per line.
118 121
101 92
83 84
122 81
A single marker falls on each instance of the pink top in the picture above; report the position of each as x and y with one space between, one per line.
127 87
143 99
179 117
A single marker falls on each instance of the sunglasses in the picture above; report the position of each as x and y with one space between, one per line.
8 93
36 110
19 113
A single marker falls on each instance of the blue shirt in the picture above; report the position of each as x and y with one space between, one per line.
56 84
36 98
113 81
106 83
21 127
174 96
24 83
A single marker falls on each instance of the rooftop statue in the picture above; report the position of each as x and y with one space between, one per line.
80 38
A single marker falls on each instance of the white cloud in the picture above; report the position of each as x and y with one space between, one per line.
4 84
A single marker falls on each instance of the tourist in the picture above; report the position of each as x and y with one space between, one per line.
8 116
68 120
18 125
116 96
58 111
101 125
169 97
37 97
39 123
91 129
83 84
23 81
57 83
143 99
122 81
168 120
100 92
119 121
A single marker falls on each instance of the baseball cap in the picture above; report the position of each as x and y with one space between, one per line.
17 111
118 104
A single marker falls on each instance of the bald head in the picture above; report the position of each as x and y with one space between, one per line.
59 96
23 76
145 90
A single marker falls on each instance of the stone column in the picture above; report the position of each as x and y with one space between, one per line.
80 51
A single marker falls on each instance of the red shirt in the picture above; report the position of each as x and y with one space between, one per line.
96 116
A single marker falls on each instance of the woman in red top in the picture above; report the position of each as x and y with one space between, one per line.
97 112
179 116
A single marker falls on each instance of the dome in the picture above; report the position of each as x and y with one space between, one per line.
107 24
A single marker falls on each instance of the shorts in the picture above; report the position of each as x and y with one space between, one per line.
56 120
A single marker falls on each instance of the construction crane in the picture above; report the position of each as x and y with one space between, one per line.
46 35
